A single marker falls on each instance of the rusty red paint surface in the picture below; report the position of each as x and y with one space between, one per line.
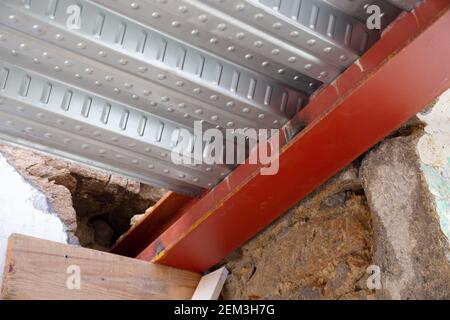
395 79
157 220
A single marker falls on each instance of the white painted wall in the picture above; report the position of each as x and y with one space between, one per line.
24 210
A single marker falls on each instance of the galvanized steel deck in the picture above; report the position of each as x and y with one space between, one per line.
112 89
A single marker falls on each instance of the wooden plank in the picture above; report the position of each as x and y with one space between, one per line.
211 285
41 269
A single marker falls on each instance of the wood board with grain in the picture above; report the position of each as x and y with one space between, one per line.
44 270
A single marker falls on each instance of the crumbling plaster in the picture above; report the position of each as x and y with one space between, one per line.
24 210
434 153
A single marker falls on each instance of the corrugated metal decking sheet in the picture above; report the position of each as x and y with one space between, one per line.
113 93
405 4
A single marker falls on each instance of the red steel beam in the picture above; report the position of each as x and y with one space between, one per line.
395 79
156 220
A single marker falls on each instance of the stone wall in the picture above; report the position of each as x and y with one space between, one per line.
378 230
409 245
319 249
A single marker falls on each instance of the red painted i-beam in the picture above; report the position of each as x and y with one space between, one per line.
156 220
395 79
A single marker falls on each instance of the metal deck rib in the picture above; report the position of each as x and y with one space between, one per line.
113 92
